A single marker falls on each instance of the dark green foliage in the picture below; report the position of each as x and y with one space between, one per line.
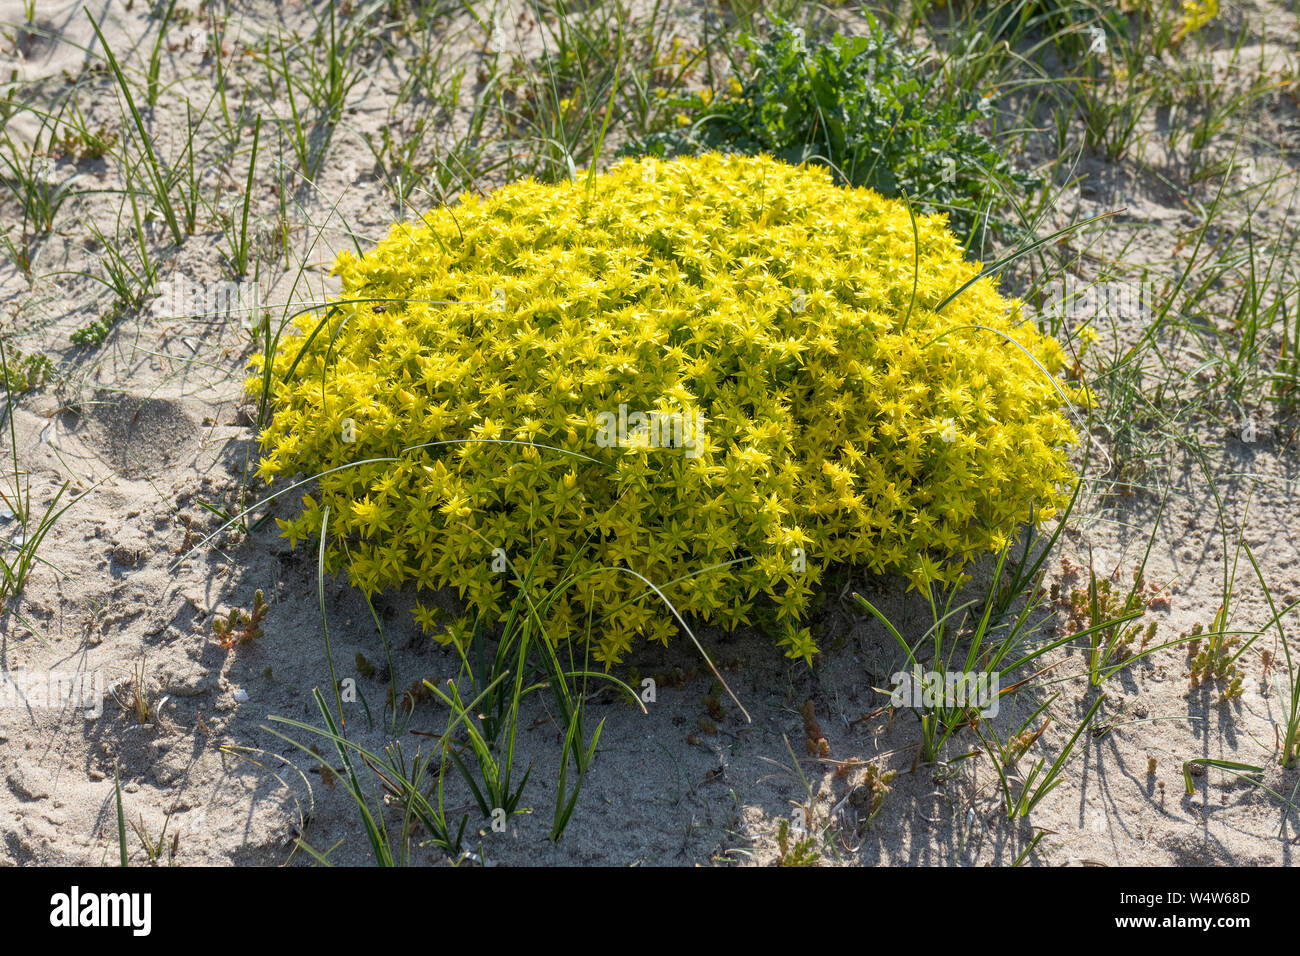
868 108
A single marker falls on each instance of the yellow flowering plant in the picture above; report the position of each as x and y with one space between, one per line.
719 374
1193 15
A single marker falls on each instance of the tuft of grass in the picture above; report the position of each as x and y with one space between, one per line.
867 107
482 715
524 660
27 526
138 701
31 178
237 258
163 181
1037 782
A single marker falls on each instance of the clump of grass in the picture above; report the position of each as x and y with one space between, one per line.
523 661
163 185
138 701
867 107
156 849
478 740
19 554
30 177
1040 780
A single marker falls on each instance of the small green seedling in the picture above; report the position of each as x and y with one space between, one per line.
800 853
240 628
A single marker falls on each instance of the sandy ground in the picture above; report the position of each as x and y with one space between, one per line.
152 423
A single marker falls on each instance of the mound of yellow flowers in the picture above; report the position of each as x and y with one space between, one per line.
718 374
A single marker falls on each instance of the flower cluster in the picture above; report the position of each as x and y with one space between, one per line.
1193 15
486 355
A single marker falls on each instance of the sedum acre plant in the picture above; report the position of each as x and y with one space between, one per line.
718 374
